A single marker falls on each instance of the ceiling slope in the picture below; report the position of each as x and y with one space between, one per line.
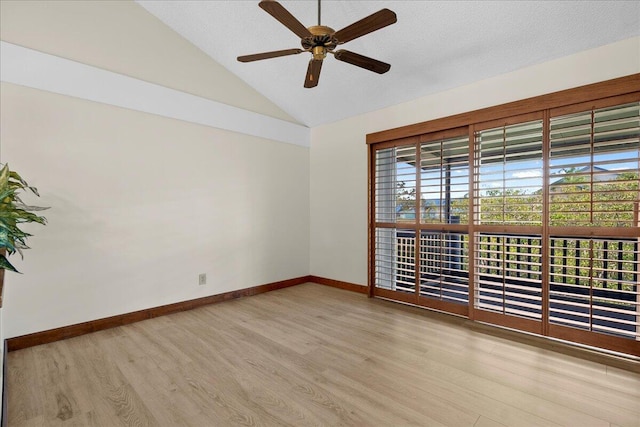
434 46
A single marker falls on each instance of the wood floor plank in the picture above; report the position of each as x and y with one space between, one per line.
543 399
57 373
215 395
211 384
24 383
487 422
165 353
298 390
110 392
312 372
96 413
575 387
155 389
311 355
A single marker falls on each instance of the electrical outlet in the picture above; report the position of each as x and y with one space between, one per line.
202 279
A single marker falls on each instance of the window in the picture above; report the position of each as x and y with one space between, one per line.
508 216
593 168
530 221
421 200
594 182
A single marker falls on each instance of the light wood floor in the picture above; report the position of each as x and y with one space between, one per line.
311 355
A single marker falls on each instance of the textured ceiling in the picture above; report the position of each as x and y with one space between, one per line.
434 46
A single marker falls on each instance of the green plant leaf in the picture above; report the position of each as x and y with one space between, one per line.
32 208
6 241
14 175
19 216
7 196
4 176
34 190
14 212
4 263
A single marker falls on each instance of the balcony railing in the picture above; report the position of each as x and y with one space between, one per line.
593 283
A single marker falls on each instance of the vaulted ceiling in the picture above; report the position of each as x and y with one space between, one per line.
434 46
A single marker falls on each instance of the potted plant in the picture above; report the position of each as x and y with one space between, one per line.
14 212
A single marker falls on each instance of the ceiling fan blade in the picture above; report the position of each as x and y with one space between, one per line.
362 61
267 55
367 25
313 73
278 11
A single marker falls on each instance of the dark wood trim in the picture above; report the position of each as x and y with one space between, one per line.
473 169
405 297
397 143
509 321
448 307
546 250
347 286
509 229
417 214
71 331
4 422
594 105
508 121
371 217
596 339
584 231
1 286
444 134
606 89
3 251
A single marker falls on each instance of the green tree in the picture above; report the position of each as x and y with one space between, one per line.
405 197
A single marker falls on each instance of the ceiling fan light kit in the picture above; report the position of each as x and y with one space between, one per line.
320 40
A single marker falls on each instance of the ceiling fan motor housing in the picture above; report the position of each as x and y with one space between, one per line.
321 42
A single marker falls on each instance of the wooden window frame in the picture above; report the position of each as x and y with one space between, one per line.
608 93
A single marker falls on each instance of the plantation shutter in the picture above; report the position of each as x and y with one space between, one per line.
594 184
508 217
444 203
533 224
444 181
395 196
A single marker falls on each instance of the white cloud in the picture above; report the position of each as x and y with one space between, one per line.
531 173
492 185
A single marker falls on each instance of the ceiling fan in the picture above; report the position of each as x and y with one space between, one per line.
320 40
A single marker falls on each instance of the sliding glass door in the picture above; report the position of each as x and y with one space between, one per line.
529 222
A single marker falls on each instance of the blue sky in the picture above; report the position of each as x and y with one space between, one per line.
525 175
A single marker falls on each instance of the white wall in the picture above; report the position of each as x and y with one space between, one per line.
339 153
140 205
